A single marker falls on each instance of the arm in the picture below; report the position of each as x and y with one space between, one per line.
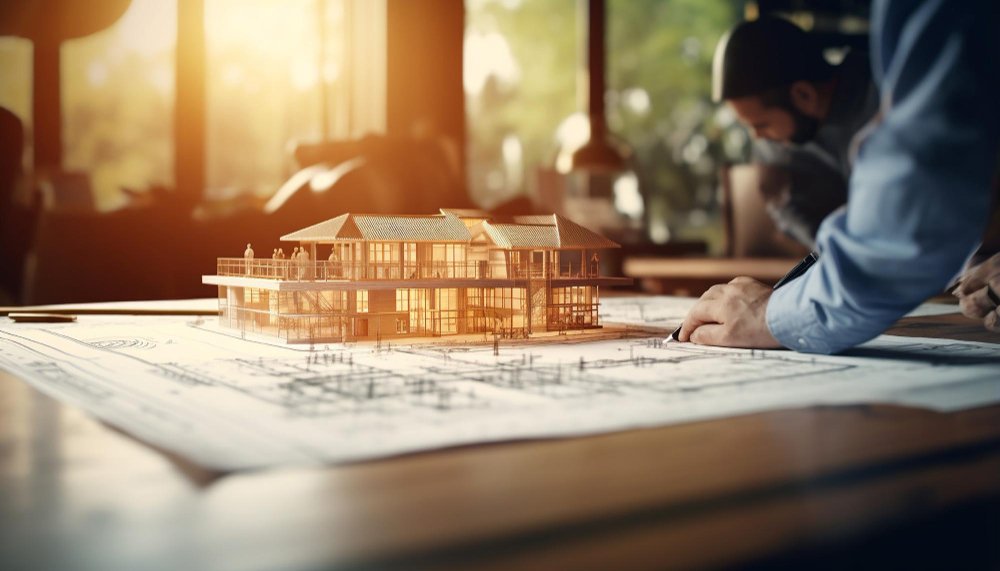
918 196
919 193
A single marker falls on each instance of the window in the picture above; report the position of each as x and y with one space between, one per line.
275 73
573 307
446 303
383 259
285 72
659 85
383 253
437 252
520 85
410 260
516 301
15 89
362 301
118 99
448 260
402 300
416 302
474 297
333 301
410 252
447 299
251 296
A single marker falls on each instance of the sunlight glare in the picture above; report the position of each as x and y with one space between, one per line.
148 27
571 134
628 200
488 55
97 73
265 34
303 74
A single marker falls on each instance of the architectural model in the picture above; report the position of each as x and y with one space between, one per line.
362 276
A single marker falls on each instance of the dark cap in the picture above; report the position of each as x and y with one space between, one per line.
764 54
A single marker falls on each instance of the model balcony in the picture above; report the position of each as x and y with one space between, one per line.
323 270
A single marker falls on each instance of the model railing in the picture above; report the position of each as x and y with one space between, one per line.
313 270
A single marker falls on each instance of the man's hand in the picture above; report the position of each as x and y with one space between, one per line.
731 315
974 290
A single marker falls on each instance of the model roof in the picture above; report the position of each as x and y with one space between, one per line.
466 212
329 230
384 228
549 231
519 232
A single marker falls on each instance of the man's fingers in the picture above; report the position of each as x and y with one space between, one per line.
992 321
972 280
705 311
709 334
978 276
702 312
741 279
730 315
977 304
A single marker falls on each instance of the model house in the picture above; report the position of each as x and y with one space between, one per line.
360 276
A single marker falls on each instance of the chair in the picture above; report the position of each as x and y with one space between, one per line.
749 230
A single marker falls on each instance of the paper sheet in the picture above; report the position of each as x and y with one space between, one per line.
229 403
931 309
662 311
668 311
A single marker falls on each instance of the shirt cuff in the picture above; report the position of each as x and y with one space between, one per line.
795 324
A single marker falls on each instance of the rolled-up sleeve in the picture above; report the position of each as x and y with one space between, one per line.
920 191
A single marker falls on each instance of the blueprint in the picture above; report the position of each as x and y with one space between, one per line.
231 403
668 311
661 311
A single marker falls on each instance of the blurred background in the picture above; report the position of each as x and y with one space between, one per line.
141 139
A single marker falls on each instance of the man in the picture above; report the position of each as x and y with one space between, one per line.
918 198
802 111
248 258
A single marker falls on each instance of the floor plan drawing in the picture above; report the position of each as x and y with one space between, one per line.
228 402
666 312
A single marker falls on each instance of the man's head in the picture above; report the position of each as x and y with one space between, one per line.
775 79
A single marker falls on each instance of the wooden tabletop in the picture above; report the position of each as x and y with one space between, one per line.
77 494
708 267
692 276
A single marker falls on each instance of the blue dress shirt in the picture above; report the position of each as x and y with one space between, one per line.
919 194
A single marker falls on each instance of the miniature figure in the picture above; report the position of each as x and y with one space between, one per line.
248 258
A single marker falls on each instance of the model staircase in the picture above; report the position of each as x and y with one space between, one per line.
538 294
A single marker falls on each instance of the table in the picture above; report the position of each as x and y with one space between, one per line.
692 276
785 488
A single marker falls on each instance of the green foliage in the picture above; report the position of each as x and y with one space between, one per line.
542 37
117 116
665 48
15 77
660 52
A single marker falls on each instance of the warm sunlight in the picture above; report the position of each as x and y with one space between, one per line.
266 67
271 38
117 100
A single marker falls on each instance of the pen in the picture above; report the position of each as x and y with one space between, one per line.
41 318
799 269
